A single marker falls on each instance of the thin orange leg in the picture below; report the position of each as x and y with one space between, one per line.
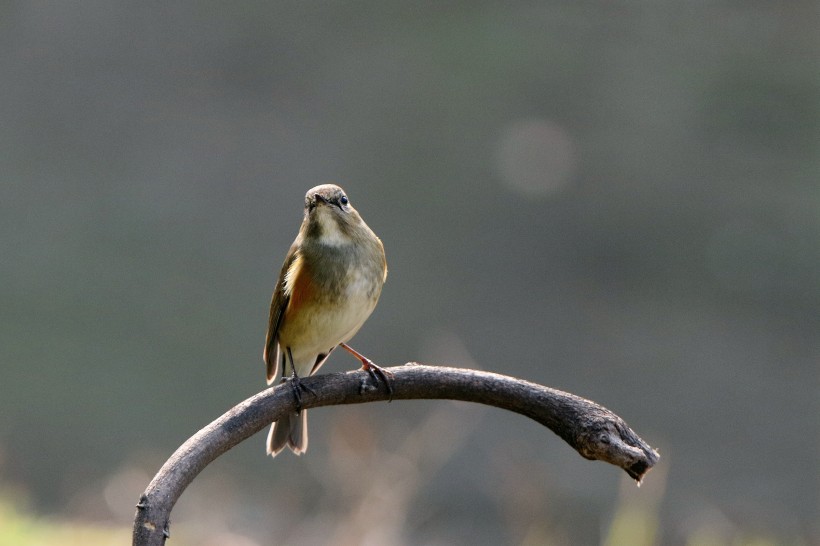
376 372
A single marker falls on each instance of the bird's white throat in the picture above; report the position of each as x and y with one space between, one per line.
332 235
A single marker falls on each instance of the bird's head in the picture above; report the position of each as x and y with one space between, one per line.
329 216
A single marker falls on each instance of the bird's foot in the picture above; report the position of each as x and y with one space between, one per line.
296 387
377 373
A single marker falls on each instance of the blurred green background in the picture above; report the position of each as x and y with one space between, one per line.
618 199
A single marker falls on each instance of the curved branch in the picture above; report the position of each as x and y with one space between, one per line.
592 430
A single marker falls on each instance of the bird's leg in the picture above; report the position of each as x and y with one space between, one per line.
376 372
296 385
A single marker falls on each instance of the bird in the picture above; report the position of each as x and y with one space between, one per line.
328 286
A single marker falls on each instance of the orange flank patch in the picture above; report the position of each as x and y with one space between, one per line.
298 285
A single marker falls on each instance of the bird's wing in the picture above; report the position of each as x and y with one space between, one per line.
279 302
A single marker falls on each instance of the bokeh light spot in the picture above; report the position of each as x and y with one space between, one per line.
535 157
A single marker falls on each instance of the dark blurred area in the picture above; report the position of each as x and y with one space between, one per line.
621 200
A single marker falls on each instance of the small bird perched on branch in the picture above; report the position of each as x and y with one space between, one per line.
329 284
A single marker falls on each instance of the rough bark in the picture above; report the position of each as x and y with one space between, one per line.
592 430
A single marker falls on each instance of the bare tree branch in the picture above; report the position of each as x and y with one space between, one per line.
594 431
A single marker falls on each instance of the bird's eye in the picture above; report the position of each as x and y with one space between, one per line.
343 200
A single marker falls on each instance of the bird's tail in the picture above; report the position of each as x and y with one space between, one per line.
290 431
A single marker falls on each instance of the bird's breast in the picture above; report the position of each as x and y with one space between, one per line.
331 293
345 272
